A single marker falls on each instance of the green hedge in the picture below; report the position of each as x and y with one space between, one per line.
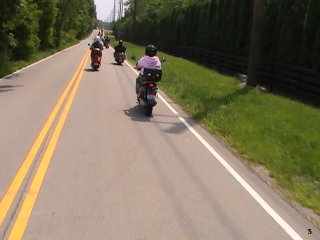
291 30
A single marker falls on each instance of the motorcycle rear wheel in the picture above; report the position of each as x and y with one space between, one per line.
149 111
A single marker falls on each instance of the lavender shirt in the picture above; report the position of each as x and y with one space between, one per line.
149 62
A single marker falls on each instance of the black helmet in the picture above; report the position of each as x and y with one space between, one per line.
151 50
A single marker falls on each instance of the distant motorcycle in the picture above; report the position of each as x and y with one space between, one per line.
147 93
119 57
106 43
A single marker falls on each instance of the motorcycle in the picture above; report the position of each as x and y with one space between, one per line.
119 57
106 43
96 56
147 91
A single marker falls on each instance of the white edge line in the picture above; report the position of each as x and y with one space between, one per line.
44 59
168 105
284 225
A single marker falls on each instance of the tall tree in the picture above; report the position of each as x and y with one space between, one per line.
135 12
287 34
28 25
25 30
291 33
8 15
311 25
244 25
75 18
316 52
255 56
49 12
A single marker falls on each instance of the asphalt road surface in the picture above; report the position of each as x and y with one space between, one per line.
79 160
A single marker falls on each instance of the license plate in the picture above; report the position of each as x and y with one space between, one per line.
151 96
96 64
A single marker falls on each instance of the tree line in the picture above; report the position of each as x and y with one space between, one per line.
290 30
27 26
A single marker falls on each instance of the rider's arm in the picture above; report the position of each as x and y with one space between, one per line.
140 64
137 67
159 64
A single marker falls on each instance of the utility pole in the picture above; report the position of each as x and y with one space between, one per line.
120 15
255 54
122 8
114 11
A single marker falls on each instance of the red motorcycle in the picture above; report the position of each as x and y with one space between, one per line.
96 56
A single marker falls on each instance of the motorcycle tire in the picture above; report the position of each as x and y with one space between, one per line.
149 111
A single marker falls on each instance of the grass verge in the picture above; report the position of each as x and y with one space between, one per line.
12 66
279 133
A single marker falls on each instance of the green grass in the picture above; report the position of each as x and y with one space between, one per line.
279 133
12 66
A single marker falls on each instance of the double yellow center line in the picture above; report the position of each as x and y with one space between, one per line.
65 100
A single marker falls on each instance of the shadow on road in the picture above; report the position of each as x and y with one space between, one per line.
176 128
8 88
136 113
90 70
12 76
116 64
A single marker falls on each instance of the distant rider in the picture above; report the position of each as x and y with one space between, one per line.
106 39
150 60
120 48
96 44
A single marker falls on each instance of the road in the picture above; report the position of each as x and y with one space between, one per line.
79 160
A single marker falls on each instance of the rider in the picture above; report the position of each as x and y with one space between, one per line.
150 60
106 39
96 44
120 48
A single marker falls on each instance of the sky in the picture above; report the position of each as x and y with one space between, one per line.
104 8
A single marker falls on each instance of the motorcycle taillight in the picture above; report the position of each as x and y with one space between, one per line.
152 85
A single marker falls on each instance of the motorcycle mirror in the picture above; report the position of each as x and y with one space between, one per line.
133 57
